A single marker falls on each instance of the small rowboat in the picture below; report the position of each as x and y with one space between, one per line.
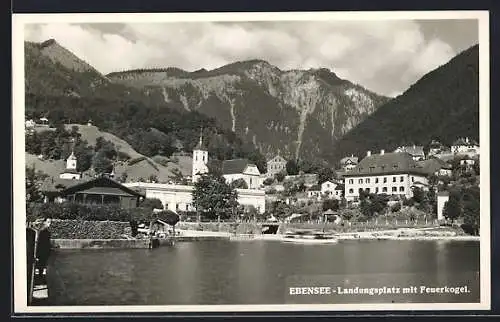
309 238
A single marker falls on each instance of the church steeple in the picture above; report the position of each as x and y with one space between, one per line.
200 142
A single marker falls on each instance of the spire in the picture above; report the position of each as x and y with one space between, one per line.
200 143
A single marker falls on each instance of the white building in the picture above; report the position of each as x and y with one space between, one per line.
442 198
242 169
275 165
70 171
180 197
329 189
349 163
200 161
416 151
384 173
465 146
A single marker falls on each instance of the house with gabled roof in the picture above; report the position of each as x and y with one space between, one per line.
102 190
275 165
416 151
241 169
349 163
465 146
384 173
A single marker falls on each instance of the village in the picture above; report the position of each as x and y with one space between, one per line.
359 189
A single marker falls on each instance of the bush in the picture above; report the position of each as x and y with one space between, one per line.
73 211
396 207
268 181
81 229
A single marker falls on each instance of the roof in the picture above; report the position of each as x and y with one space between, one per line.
432 165
351 159
235 166
411 149
387 163
465 141
277 158
72 171
103 185
316 187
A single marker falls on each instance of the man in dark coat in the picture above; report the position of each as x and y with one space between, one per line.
30 257
43 247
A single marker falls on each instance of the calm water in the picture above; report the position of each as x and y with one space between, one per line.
261 272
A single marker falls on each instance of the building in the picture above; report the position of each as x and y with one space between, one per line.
70 171
101 191
442 198
465 146
436 166
314 192
328 189
385 173
435 147
200 161
349 163
180 197
275 165
416 151
241 169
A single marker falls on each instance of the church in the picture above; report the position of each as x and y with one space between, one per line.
179 197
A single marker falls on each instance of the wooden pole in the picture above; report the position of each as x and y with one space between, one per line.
32 284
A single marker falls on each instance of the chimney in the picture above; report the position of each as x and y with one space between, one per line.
382 152
368 153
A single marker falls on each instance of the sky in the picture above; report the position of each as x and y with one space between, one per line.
385 56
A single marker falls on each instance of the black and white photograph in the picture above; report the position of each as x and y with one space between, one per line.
214 162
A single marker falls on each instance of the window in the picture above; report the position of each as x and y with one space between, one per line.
351 190
360 181
382 167
402 189
372 169
351 181
385 179
360 169
196 157
367 190
394 166
376 190
384 189
368 180
176 206
376 180
394 189
412 179
187 207
393 179
401 179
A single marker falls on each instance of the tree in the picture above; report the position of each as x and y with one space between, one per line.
268 181
418 195
280 176
33 181
212 194
152 203
101 163
292 168
452 209
332 204
239 184
280 210
169 217
325 174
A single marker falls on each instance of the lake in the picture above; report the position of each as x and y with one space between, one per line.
266 272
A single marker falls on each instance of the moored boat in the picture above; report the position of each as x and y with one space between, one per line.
312 238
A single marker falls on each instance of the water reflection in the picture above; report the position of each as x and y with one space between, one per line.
253 272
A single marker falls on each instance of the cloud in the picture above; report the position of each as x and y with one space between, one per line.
384 56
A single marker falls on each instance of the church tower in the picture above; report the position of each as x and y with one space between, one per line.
70 172
200 160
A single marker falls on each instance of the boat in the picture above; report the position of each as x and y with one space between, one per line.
309 238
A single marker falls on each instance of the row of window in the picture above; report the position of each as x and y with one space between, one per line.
384 189
276 167
367 180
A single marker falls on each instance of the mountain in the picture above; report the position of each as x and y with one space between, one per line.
442 105
66 89
296 113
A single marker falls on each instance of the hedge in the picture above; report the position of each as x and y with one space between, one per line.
70 210
81 229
